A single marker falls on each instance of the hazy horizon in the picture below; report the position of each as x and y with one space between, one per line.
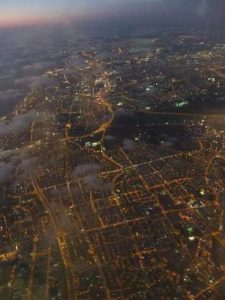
24 12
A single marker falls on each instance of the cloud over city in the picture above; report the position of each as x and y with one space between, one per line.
89 173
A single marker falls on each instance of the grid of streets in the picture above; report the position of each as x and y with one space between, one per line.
112 195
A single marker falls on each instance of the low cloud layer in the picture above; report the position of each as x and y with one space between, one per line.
24 62
128 144
85 169
89 174
16 165
20 123
34 82
8 98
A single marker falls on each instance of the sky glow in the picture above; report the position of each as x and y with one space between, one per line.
19 12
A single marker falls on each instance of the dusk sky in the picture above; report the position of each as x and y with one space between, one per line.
16 12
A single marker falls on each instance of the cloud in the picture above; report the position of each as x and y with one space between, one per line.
121 112
16 165
9 98
109 138
38 66
169 142
23 62
89 174
9 94
6 154
34 82
60 213
93 182
82 170
6 172
128 144
20 123
202 8
28 165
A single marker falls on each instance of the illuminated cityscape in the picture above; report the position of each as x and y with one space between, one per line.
112 170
